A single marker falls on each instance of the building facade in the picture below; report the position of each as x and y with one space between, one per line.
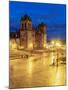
29 38
40 36
26 33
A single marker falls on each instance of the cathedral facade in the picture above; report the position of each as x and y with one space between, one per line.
30 38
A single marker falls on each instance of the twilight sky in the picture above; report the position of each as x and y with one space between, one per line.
54 15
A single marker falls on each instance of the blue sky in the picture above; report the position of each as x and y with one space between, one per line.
54 15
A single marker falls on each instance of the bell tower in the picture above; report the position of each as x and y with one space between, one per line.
41 36
26 23
26 32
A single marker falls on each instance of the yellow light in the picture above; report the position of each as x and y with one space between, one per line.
30 66
44 45
56 43
13 45
52 42
30 45
21 47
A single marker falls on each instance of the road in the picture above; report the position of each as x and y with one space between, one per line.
35 70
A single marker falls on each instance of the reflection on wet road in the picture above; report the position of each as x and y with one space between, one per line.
36 71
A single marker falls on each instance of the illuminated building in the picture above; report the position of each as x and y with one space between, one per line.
28 37
26 33
40 36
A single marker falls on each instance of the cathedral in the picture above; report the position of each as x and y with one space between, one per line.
30 38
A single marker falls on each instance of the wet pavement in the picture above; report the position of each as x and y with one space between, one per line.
36 70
